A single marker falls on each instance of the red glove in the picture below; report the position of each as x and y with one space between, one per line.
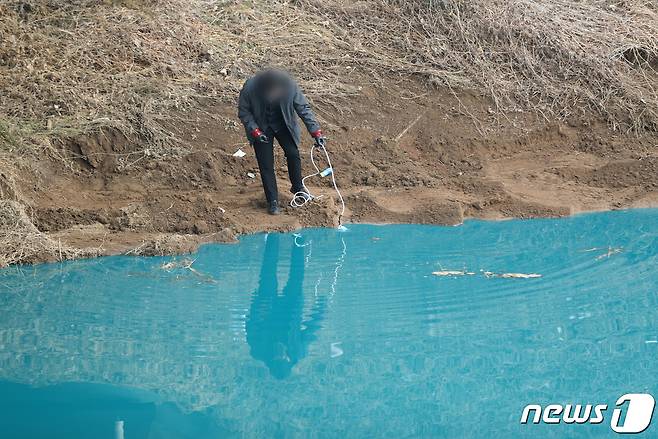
259 135
320 140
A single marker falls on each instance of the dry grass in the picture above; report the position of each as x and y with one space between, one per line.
560 58
22 243
76 66
72 67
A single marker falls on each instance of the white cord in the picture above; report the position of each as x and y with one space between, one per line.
300 198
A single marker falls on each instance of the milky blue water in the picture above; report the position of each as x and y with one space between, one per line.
337 335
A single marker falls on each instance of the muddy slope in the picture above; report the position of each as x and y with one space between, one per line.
399 157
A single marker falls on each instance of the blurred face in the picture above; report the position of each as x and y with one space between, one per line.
273 84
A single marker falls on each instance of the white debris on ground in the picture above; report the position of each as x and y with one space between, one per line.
251 175
239 153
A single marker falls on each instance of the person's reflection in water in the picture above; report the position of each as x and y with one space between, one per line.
276 331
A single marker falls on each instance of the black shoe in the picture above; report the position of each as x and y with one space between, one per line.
300 198
274 208
307 197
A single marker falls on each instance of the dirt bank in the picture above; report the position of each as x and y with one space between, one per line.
118 126
409 154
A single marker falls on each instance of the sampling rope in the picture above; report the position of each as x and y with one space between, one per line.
302 197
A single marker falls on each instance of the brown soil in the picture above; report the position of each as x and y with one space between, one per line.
455 162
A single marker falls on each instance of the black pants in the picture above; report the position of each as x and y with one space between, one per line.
265 158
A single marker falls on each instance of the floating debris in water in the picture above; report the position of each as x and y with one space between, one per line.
488 274
450 273
512 275
174 265
609 251
520 275
453 273
185 264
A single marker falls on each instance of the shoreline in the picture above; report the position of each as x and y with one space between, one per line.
178 245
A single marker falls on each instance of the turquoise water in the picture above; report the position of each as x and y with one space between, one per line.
329 334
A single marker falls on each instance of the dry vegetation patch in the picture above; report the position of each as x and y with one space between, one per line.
75 66
21 242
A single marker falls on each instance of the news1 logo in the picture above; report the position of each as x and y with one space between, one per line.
637 408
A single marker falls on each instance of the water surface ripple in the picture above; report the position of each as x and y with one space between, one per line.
337 334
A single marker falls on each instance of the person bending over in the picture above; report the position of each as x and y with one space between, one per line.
267 105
